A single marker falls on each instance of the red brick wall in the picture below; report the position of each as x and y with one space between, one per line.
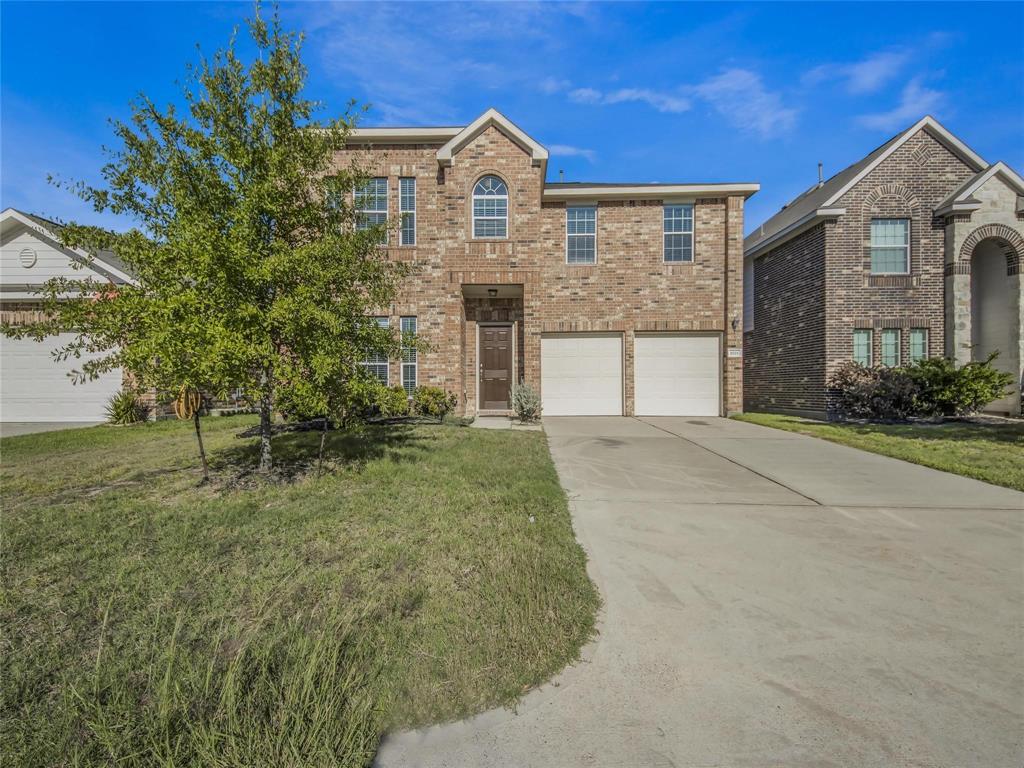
629 288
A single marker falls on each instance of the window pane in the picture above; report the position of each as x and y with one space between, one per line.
862 346
581 249
679 218
490 208
678 247
918 343
376 362
489 227
373 195
407 209
891 346
890 246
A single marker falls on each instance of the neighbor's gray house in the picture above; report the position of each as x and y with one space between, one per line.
34 386
912 251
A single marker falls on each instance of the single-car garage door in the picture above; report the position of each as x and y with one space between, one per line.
677 375
34 387
581 374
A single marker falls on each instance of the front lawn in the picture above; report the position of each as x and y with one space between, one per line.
990 452
430 573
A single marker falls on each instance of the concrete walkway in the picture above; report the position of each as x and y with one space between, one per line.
15 428
771 599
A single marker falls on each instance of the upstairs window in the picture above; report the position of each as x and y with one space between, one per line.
375 362
407 211
862 346
678 232
891 347
890 246
581 235
372 204
490 208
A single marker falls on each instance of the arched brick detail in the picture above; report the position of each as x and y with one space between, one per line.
1010 241
899 191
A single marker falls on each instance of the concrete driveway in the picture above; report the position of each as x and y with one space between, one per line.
771 600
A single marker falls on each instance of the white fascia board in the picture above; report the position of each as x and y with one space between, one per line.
926 122
794 229
961 206
402 135
1000 169
649 192
491 117
13 215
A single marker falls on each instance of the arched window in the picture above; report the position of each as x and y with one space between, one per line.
490 208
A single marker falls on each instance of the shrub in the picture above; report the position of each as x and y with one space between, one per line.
392 402
433 402
926 388
125 408
862 392
945 390
526 402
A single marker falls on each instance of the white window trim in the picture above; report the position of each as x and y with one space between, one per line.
386 211
387 366
415 364
580 263
692 233
871 345
402 213
910 348
899 343
472 200
871 246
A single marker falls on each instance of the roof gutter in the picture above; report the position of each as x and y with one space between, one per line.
646 191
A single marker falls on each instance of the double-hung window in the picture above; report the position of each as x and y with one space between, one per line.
408 355
490 208
581 235
375 362
918 344
862 346
407 210
678 233
372 204
890 246
891 347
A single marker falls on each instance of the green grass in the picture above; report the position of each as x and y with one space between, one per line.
990 452
149 621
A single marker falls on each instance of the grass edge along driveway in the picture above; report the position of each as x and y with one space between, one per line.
993 453
150 621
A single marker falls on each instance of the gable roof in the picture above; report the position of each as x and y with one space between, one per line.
491 117
819 202
962 198
107 263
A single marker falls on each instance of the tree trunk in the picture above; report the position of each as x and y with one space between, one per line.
202 450
266 422
320 457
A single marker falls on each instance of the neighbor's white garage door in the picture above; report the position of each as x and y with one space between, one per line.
677 375
33 387
581 374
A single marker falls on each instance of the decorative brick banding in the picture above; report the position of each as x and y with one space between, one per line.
1010 242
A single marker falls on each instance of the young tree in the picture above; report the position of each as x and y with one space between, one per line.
251 271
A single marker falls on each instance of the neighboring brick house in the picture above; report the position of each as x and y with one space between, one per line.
608 298
912 251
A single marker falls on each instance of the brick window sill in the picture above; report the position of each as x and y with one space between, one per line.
892 281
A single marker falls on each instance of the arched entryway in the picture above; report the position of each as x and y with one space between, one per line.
995 321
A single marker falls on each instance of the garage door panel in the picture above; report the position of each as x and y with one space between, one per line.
581 375
35 387
677 375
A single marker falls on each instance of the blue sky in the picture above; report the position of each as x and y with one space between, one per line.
617 92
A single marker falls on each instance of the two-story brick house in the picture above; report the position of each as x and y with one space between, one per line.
912 251
608 298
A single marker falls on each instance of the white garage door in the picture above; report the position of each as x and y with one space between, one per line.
677 375
33 387
581 374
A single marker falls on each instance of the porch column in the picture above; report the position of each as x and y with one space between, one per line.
958 312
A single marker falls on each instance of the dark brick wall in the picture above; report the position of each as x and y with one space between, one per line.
784 353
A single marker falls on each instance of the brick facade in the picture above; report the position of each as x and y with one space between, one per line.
629 289
814 289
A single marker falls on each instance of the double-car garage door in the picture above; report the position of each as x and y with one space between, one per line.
673 374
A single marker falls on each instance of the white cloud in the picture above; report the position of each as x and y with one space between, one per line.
873 72
566 150
661 101
552 85
740 96
916 101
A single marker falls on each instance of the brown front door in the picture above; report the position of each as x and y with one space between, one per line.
495 367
